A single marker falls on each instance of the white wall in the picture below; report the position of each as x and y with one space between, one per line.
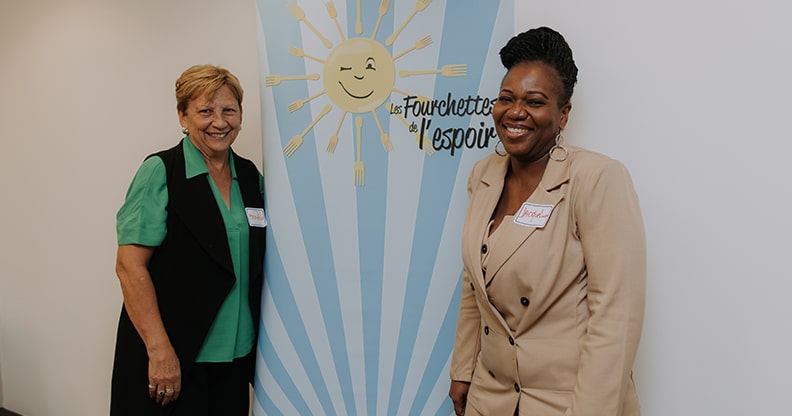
694 97
87 93
691 95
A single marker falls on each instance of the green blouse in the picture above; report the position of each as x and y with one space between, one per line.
142 220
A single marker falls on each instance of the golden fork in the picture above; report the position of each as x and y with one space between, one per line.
331 144
422 43
273 80
299 14
386 141
420 5
333 13
382 10
419 98
293 50
299 103
359 168
297 140
426 146
452 70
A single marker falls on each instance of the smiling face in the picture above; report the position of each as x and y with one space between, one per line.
213 122
359 75
527 113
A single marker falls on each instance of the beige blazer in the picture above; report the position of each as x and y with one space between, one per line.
558 331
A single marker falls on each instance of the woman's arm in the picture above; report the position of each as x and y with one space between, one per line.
140 301
466 341
466 346
612 235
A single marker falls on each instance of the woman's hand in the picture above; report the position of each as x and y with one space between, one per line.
164 376
140 301
458 394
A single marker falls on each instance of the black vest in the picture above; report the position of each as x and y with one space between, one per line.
192 274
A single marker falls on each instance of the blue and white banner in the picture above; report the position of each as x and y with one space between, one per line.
374 111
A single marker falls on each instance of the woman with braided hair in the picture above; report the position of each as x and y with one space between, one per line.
554 258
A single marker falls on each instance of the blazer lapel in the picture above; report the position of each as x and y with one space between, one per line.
514 235
484 199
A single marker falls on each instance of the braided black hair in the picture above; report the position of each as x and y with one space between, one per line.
544 45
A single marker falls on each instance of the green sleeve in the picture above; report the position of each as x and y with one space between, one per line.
142 218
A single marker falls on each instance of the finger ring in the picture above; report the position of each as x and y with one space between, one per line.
168 391
161 393
152 387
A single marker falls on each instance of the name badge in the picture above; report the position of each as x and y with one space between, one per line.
256 217
533 215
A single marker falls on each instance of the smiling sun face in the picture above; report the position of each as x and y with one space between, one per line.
359 75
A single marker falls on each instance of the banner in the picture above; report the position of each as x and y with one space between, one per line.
373 114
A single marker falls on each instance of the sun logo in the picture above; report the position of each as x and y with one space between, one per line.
359 75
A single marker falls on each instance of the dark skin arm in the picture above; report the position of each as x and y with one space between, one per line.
458 394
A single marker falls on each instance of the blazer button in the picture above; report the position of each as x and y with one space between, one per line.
511 340
516 388
486 330
524 301
484 249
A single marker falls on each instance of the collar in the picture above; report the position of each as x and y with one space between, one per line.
194 163
556 172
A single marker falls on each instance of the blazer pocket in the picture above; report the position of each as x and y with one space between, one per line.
549 364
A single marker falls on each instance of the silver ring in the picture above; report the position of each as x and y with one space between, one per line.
169 391
152 387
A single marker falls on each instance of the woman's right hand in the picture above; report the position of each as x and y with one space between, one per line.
458 394
140 301
164 376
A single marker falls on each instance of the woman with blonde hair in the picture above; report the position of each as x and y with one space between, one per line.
191 242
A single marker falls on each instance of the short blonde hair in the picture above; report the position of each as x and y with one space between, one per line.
204 80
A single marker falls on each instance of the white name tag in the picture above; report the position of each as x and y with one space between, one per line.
533 215
256 217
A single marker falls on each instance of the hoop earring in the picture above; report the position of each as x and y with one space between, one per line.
502 153
185 131
559 146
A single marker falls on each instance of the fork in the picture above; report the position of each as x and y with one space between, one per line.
299 14
359 168
419 98
451 70
331 144
382 10
420 5
333 13
273 80
426 146
293 50
420 44
386 141
297 140
299 103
